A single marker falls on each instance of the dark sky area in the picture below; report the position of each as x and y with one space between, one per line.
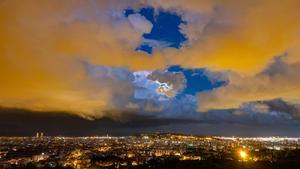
18 122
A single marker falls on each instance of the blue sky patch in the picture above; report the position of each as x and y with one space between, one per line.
196 80
145 47
165 31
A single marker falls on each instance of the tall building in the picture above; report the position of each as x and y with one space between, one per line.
39 135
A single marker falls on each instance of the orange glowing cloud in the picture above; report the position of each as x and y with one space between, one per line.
43 46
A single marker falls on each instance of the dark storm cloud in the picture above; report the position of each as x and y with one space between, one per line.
283 106
20 122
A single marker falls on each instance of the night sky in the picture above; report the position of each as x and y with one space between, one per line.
83 68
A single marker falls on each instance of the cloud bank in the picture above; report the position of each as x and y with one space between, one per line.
278 80
81 57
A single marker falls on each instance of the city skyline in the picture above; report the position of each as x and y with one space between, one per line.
149 151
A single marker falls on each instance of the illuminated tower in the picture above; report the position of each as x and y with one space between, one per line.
39 135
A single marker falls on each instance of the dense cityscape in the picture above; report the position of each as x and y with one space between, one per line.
149 151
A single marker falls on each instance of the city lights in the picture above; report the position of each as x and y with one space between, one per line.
95 152
243 154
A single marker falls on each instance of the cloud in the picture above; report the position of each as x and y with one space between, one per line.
47 49
158 84
160 93
238 36
282 106
169 83
19 122
145 88
86 90
260 113
140 23
279 80
80 56
221 33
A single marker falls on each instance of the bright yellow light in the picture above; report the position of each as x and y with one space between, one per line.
243 154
